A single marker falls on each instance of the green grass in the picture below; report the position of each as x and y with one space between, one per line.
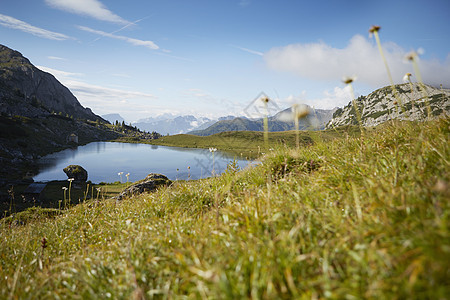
346 218
249 144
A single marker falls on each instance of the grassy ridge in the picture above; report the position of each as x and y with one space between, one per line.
343 219
249 143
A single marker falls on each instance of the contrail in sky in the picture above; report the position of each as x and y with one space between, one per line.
126 26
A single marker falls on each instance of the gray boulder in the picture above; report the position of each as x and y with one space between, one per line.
78 173
149 184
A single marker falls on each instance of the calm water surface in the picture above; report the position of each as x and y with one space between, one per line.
104 160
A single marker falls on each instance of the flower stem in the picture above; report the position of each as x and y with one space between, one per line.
266 127
422 86
394 90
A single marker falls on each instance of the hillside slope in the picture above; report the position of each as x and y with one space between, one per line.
352 218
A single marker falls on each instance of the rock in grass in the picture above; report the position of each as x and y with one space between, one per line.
78 173
149 184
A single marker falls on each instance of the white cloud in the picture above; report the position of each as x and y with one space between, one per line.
132 41
104 99
95 91
13 23
91 8
61 75
55 58
338 97
361 57
99 92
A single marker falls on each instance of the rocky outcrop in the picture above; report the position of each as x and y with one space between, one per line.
149 184
78 173
382 105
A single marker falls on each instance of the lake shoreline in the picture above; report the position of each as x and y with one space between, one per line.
112 161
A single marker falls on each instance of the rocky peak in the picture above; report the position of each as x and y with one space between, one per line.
382 105
27 91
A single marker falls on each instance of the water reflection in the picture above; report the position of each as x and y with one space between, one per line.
104 160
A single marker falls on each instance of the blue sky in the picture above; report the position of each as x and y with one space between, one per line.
143 58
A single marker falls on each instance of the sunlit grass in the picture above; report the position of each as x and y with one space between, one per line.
336 221
250 144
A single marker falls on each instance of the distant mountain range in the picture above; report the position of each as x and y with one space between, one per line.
316 120
376 108
171 124
411 103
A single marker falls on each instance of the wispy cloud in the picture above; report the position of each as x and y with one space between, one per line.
105 93
124 27
103 99
360 57
165 52
244 2
338 97
14 23
75 85
248 50
121 75
55 58
92 8
61 75
132 41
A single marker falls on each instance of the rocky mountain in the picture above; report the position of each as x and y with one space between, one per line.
382 105
27 91
170 124
315 120
38 115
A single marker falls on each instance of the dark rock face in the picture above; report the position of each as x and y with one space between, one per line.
78 173
149 184
37 114
27 91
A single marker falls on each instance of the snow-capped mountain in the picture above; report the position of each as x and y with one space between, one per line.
171 124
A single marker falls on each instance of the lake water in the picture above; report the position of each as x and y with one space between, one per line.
104 160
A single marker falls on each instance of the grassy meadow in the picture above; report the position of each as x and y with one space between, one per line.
348 217
250 144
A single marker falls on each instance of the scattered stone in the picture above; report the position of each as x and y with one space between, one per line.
78 173
33 191
149 184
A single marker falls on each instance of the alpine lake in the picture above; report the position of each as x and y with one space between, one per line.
128 162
